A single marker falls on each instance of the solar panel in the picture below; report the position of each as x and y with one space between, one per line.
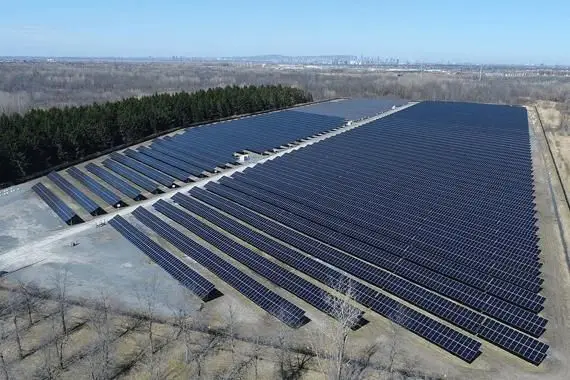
132 176
391 241
349 187
203 163
158 165
440 195
84 201
258 133
353 109
331 209
519 344
427 328
98 189
116 182
282 277
515 316
192 169
176 145
151 173
167 261
56 204
271 302
443 308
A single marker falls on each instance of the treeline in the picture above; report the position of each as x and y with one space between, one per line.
41 139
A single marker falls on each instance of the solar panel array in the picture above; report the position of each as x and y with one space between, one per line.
133 176
270 301
98 189
433 204
119 184
148 171
77 195
353 109
167 261
214 145
275 273
56 204
190 156
452 341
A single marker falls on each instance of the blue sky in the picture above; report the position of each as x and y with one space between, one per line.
480 31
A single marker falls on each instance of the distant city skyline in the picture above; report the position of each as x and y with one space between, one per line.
482 32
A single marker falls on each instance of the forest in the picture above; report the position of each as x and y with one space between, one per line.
40 139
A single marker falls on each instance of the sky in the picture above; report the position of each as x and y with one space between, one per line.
476 31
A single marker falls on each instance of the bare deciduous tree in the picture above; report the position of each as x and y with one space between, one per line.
231 326
47 369
15 302
60 339
396 360
292 363
60 281
101 359
185 319
204 346
361 367
31 298
149 300
330 343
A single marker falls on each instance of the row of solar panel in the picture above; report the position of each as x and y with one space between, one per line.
392 214
449 170
266 268
353 109
257 134
167 261
256 292
188 156
511 314
520 344
391 217
408 173
466 274
323 226
535 350
452 341
406 198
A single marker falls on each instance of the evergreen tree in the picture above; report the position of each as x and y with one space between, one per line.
41 139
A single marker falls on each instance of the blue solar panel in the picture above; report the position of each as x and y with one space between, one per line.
167 261
259 294
98 189
173 161
132 176
56 204
87 203
219 142
310 202
173 149
315 227
440 195
158 165
116 182
519 344
417 323
151 173
353 109
273 272
203 163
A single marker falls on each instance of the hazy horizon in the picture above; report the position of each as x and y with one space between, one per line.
507 32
